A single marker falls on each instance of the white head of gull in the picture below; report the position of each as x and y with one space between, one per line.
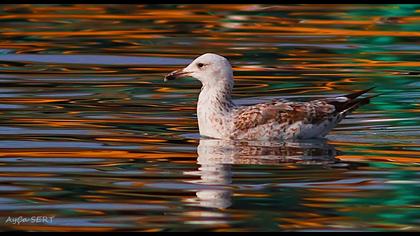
219 117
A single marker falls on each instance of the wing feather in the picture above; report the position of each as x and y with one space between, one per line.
252 116
318 113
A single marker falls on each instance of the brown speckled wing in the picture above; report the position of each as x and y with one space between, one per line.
282 112
320 111
315 117
252 116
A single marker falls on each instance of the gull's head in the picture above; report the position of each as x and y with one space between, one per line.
210 69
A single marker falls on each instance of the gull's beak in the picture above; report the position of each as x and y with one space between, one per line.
176 74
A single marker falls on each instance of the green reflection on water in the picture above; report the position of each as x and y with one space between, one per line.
150 127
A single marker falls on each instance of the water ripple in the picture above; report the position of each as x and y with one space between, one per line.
91 135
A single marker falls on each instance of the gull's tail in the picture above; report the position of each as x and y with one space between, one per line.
355 102
344 105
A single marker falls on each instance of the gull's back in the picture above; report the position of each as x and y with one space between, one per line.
280 119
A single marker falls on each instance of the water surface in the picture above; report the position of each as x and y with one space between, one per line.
90 134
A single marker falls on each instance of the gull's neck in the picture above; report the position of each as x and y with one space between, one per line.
214 109
216 98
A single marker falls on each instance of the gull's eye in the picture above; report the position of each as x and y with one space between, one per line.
200 65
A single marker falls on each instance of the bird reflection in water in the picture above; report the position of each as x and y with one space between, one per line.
216 158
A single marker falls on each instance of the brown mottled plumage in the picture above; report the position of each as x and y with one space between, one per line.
218 117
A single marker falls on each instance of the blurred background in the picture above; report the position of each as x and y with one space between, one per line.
90 134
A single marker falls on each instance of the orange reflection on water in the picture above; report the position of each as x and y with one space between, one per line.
144 140
370 64
132 140
63 153
156 14
85 33
393 159
32 100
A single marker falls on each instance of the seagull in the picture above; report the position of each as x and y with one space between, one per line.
279 119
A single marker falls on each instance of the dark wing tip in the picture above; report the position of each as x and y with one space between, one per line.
357 94
353 101
357 102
